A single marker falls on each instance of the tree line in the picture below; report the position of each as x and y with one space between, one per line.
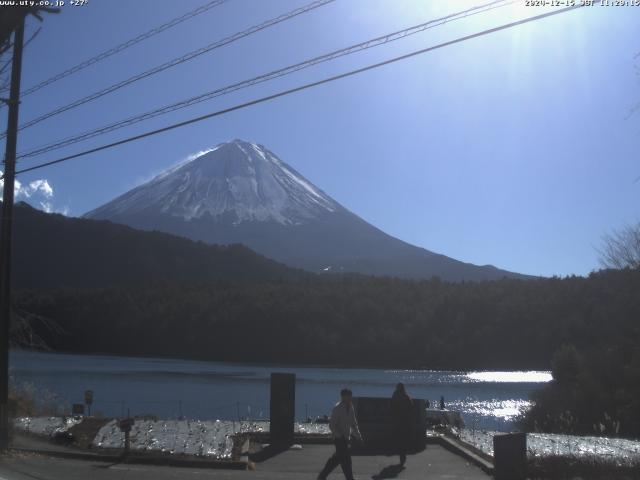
585 329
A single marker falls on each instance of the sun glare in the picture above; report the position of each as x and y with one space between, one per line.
511 377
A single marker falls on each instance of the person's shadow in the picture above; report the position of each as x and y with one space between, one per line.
390 471
268 452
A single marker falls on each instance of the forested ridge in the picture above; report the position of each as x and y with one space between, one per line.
506 324
51 250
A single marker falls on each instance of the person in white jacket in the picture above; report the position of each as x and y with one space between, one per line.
342 424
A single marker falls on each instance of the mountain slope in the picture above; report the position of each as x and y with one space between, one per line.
240 192
51 250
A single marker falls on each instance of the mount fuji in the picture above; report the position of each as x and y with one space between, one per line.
240 192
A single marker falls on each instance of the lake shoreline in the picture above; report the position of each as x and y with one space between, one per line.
170 388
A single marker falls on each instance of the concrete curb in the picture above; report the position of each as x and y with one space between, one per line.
460 449
96 457
139 459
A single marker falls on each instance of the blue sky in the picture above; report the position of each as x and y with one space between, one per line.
514 149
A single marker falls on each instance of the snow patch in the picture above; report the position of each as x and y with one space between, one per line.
45 425
548 444
239 178
207 438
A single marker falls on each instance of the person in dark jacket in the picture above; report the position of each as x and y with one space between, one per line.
402 418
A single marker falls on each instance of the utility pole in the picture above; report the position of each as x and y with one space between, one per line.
6 231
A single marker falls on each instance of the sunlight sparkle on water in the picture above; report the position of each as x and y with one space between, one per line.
510 377
498 408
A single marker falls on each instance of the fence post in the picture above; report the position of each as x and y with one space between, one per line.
282 408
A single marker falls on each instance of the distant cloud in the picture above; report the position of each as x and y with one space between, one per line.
41 186
189 158
37 187
39 193
193 156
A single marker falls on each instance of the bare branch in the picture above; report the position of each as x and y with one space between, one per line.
621 248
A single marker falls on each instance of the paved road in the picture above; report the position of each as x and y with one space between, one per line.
434 463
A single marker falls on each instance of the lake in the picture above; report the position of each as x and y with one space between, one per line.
171 388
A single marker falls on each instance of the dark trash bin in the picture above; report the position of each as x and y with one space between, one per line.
510 456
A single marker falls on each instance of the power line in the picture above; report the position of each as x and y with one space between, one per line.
123 46
266 77
177 61
301 88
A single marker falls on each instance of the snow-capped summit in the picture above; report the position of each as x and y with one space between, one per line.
237 179
240 192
